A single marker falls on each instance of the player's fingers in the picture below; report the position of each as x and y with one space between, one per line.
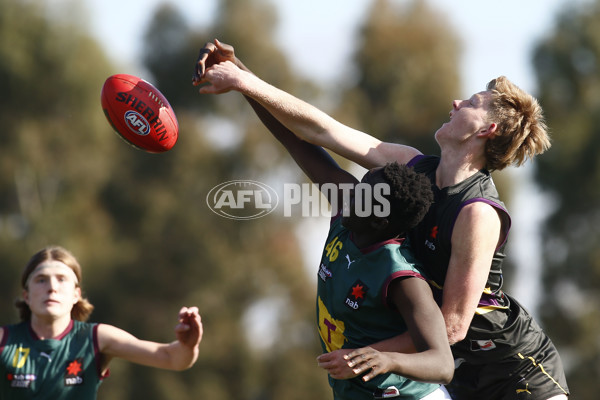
323 364
356 353
183 312
200 69
201 61
182 327
357 358
208 89
188 315
375 370
189 310
224 48
360 366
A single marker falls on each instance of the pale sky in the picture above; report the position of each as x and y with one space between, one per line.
497 36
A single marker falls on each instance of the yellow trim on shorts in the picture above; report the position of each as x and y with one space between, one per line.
535 364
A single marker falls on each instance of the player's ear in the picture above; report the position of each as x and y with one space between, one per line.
77 295
25 295
490 132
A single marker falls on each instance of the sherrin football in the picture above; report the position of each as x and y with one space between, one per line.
139 113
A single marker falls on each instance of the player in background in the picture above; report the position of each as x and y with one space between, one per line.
370 288
500 351
54 354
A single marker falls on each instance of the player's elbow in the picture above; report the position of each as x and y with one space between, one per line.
444 366
447 370
456 329
456 337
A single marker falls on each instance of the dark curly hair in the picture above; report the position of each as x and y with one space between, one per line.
410 195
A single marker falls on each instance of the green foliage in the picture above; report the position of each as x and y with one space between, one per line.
179 252
567 64
407 75
138 222
54 138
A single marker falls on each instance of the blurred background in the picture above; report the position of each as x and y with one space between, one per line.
139 223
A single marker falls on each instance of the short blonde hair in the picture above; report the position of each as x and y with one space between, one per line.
82 309
521 128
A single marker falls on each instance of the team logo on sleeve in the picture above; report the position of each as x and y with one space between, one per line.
356 295
324 273
74 373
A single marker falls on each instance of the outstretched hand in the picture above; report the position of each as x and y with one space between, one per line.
221 78
211 54
189 329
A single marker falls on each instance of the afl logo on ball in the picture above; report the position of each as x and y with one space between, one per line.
137 123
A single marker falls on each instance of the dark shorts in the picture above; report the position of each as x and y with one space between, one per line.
530 375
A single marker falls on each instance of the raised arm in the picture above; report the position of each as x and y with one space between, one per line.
432 361
316 163
178 355
304 120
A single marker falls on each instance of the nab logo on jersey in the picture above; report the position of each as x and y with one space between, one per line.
432 236
74 373
356 295
137 123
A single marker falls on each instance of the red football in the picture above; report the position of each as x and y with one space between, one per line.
139 113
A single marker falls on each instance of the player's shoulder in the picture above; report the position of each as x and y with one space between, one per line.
5 331
389 152
479 210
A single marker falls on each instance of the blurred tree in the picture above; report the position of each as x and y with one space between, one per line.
55 155
406 74
180 252
567 64
138 222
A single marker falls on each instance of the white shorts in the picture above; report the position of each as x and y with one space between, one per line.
440 394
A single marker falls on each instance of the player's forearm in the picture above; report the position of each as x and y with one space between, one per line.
425 366
304 120
179 356
400 344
